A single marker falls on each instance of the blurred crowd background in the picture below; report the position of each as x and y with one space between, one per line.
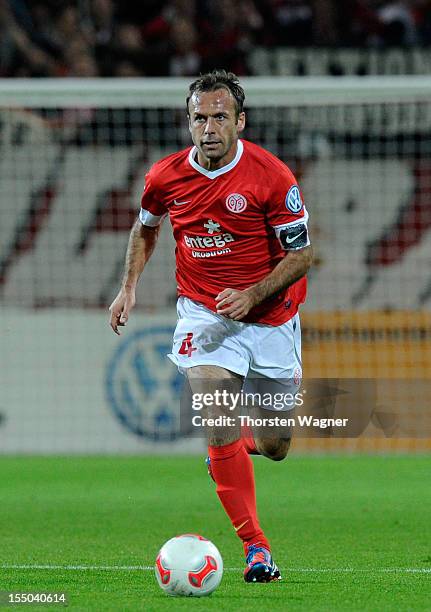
88 38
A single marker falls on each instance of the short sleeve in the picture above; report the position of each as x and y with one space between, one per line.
152 210
286 212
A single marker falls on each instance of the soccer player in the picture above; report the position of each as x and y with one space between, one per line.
242 252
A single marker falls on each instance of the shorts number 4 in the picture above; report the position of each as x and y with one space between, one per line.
187 347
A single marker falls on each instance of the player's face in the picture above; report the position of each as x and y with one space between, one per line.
214 127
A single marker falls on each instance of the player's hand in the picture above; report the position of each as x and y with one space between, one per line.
236 304
120 309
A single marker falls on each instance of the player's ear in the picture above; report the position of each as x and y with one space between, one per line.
240 124
189 122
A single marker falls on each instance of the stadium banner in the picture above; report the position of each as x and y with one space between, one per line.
69 385
292 61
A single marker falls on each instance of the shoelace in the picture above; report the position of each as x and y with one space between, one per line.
257 556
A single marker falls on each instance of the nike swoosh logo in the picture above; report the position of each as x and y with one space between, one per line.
240 526
181 203
289 240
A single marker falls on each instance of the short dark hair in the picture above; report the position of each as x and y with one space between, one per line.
219 79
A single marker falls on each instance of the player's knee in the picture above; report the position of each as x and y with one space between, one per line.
278 455
276 450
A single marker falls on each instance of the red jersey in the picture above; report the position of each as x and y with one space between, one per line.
232 225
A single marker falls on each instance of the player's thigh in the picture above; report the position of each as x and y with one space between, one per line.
211 372
215 387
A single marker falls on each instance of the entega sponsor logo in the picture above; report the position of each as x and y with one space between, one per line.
208 242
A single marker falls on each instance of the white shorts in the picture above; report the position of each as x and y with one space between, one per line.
252 350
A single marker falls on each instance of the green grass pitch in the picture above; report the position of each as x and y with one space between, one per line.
348 533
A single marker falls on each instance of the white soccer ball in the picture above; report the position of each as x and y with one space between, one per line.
189 565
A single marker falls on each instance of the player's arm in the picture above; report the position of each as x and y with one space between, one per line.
142 241
289 219
237 304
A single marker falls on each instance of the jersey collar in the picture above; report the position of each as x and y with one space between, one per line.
212 174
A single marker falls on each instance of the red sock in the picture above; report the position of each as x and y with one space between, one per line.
248 440
232 469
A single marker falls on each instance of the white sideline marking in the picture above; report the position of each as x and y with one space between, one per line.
147 568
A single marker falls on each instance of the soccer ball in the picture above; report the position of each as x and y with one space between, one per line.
189 565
